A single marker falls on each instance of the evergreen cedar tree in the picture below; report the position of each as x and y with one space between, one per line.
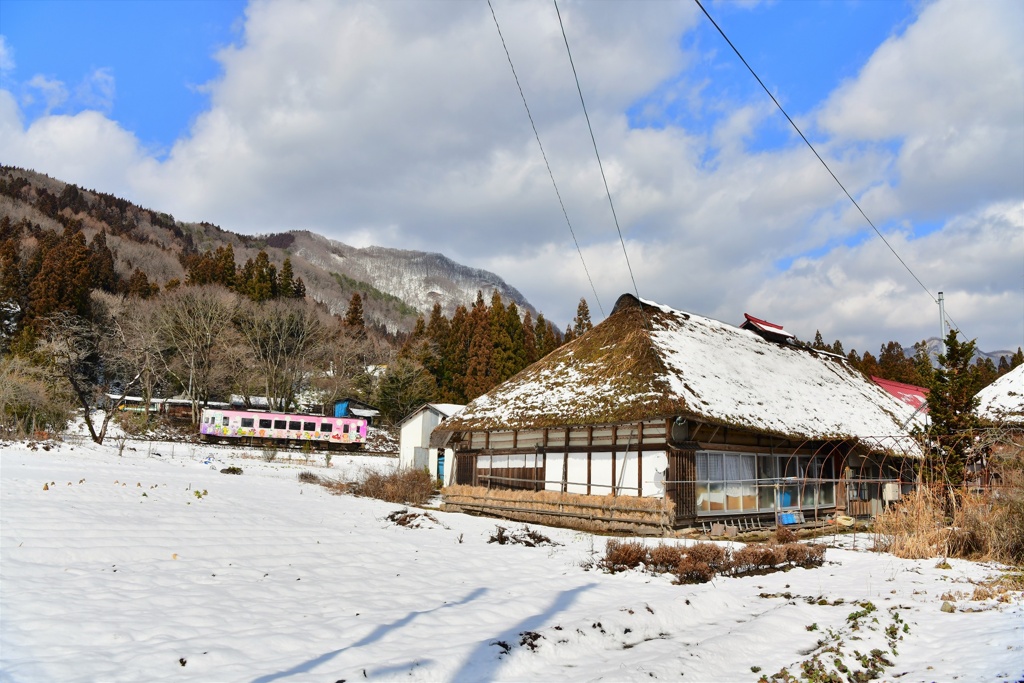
951 404
478 348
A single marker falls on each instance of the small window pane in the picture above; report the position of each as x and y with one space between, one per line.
225 422
264 424
326 426
247 421
294 425
344 428
280 424
309 426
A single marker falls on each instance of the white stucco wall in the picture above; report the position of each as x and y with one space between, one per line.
414 444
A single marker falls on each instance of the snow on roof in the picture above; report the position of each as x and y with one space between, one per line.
362 412
445 410
692 366
914 396
1003 400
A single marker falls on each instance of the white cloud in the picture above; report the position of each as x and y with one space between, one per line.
950 92
97 90
6 56
399 124
53 91
859 293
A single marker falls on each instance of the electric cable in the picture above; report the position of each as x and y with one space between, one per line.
838 182
598 155
545 156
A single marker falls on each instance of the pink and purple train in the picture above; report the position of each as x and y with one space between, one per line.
282 429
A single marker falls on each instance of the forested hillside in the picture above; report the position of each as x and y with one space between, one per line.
395 285
100 298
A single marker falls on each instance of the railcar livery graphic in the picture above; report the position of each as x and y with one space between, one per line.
283 429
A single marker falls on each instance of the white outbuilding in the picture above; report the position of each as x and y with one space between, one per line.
414 439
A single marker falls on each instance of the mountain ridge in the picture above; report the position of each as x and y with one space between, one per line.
397 285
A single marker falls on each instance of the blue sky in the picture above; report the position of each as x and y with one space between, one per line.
159 53
399 124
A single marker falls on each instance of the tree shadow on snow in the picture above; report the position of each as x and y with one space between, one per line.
372 637
483 665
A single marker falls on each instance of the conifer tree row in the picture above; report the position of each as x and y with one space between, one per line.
478 348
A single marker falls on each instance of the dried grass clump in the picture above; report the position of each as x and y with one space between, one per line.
408 486
913 528
307 477
622 555
982 526
1008 519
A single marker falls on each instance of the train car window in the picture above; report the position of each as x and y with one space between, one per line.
225 422
280 424
309 426
247 422
344 428
294 425
264 424
326 426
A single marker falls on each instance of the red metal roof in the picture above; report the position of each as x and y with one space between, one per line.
765 326
911 394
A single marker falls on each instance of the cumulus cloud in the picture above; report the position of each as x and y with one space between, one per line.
399 124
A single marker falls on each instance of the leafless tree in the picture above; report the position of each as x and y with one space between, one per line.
196 324
135 321
96 360
346 372
287 340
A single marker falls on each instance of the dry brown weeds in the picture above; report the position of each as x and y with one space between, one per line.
987 526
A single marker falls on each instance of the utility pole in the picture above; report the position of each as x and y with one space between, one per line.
942 325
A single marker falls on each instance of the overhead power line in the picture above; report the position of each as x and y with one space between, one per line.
809 145
543 154
598 155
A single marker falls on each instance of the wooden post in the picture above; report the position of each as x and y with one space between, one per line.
565 463
590 453
640 461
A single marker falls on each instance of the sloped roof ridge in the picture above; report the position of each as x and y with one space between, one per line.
699 367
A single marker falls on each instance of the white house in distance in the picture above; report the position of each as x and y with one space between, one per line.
414 440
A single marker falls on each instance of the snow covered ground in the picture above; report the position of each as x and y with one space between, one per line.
153 566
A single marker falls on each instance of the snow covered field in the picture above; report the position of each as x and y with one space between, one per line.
153 567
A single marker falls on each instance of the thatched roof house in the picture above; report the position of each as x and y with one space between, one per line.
659 402
648 360
1002 402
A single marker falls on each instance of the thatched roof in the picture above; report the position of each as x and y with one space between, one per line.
649 361
1003 400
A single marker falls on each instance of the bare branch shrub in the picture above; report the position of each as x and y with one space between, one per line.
622 555
664 558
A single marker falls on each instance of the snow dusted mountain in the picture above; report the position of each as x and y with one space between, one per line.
420 279
934 344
